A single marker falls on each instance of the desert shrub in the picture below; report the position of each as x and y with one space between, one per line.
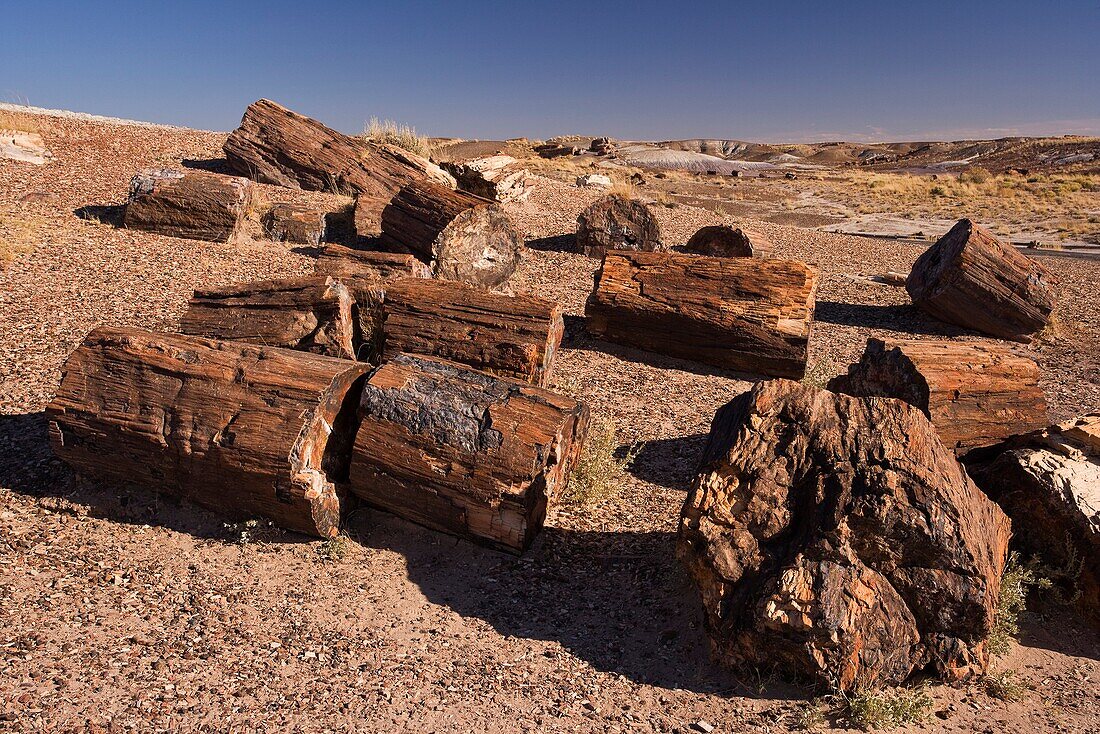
809 717
937 191
819 372
1005 686
976 175
1017 580
886 709
625 189
599 473
333 550
389 132
19 122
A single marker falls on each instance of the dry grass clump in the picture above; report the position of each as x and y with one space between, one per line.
403 136
19 233
1005 686
20 122
887 709
622 188
333 550
599 473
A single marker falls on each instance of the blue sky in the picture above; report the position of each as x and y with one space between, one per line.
769 71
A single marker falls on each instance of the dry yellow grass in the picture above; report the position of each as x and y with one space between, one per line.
18 233
20 122
393 133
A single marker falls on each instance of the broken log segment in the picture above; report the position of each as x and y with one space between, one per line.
618 223
464 452
461 236
243 430
294 223
511 336
970 279
737 313
975 394
312 314
196 205
342 261
725 241
496 178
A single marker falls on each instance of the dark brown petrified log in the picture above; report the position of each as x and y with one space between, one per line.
197 205
738 313
969 278
462 451
313 314
512 336
975 393
344 261
617 223
294 223
838 540
461 236
243 430
725 241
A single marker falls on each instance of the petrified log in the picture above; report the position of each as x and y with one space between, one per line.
495 177
461 236
276 146
617 223
294 223
197 206
725 241
313 314
1048 482
749 315
462 451
836 539
975 394
511 336
555 150
969 278
243 430
344 261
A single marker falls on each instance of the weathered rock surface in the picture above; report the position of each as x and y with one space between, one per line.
971 279
196 205
594 181
837 540
497 178
294 223
25 147
725 241
617 223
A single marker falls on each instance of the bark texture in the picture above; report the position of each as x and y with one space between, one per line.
725 241
462 451
749 315
342 261
975 393
294 223
243 430
617 223
970 279
197 206
837 540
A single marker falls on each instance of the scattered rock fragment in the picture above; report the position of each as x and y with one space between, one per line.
26 147
195 205
725 241
594 180
617 223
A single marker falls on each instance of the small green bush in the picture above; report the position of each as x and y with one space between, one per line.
886 709
599 473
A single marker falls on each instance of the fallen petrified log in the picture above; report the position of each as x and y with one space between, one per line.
496 177
617 223
243 430
197 206
312 314
276 146
969 278
725 241
294 223
511 336
344 261
462 451
975 394
741 314
555 150
837 540
1048 482
461 236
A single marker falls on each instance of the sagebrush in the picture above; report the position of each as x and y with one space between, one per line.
601 468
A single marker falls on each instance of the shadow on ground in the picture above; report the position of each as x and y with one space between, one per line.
213 165
667 462
903 318
557 243
105 213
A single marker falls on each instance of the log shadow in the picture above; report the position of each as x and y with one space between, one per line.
1060 629
557 243
110 214
667 462
577 337
213 165
903 318
28 467
618 600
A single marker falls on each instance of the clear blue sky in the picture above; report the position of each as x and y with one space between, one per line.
644 70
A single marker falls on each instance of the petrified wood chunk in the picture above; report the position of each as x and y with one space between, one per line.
294 223
313 314
344 261
971 279
725 241
975 394
244 430
276 146
617 223
750 315
495 177
463 237
555 150
197 206
837 540
1049 484
462 451
511 336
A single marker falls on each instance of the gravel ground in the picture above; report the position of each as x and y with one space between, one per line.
123 611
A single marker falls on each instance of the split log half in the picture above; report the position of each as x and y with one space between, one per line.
197 206
243 430
462 451
618 223
313 314
975 394
724 241
344 261
737 313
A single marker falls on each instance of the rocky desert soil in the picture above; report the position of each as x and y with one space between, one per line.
122 611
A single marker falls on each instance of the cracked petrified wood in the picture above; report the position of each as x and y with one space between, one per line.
461 236
836 540
725 241
495 177
276 146
617 223
312 314
511 336
463 451
738 313
244 430
294 223
970 279
975 393
344 261
196 205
